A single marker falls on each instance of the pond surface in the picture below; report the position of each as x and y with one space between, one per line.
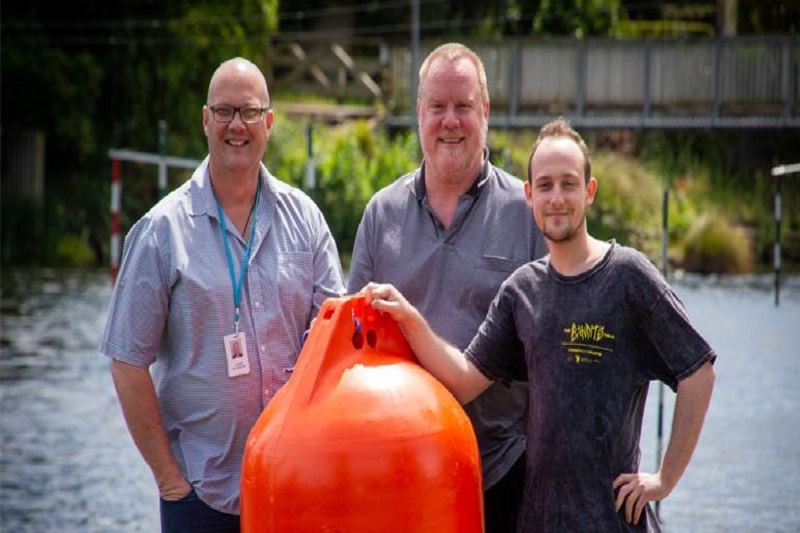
67 462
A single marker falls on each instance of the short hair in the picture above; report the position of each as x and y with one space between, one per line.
560 128
451 52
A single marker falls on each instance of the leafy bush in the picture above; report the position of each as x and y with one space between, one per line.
713 245
353 161
73 250
627 206
510 151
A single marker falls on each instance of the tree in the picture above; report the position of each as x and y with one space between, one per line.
96 75
773 16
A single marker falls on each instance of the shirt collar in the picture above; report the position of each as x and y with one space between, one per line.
201 195
474 190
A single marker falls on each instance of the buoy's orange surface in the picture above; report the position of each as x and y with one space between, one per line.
360 439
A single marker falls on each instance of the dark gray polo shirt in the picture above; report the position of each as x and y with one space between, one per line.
451 275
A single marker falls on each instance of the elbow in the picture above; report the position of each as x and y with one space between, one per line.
459 390
472 384
464 397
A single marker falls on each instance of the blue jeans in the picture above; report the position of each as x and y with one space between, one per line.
190 514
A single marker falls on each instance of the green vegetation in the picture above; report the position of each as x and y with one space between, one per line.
709 230
627 205
104 75
714 245
74 250
352 162
720 195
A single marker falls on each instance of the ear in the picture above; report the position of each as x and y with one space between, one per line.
206 119
269 119
591 190
528 192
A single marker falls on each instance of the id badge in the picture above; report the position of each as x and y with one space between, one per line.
236 354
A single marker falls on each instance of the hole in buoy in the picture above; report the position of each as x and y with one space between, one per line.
372 338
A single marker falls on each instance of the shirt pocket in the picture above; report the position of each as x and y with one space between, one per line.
498 263
491 270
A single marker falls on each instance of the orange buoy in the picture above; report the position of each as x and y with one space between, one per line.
361 438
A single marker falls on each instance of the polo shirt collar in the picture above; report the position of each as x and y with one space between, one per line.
474 190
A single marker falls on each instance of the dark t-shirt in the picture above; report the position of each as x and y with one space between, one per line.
588 346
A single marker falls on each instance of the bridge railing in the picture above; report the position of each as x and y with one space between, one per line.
738 82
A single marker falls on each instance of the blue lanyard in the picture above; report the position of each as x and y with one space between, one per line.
237 286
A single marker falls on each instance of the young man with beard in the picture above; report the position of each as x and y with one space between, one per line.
588 327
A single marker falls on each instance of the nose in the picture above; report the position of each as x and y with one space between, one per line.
450 119
557 195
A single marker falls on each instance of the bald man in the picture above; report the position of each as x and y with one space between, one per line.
217 285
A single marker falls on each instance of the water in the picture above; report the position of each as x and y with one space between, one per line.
67 462
745 473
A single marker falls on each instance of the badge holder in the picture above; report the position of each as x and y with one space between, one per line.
236 354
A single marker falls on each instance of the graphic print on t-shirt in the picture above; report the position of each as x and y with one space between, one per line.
587 343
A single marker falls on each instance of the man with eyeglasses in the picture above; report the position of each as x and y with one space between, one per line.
218 283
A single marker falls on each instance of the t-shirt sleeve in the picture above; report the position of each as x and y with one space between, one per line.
496 349
680 346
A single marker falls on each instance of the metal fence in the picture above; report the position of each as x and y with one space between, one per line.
737 82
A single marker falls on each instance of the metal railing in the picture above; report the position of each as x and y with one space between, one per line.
731 82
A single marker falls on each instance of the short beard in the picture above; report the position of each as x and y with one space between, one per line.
563 236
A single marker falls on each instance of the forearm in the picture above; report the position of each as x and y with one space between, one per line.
691 405
140 408
637 488
443 360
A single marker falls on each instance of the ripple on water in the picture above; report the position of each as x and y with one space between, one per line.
68 463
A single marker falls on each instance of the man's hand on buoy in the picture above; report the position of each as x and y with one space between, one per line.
386 298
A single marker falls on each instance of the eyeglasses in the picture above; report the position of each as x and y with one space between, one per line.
249 115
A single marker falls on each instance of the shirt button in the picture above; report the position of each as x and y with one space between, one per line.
258 305
263 348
